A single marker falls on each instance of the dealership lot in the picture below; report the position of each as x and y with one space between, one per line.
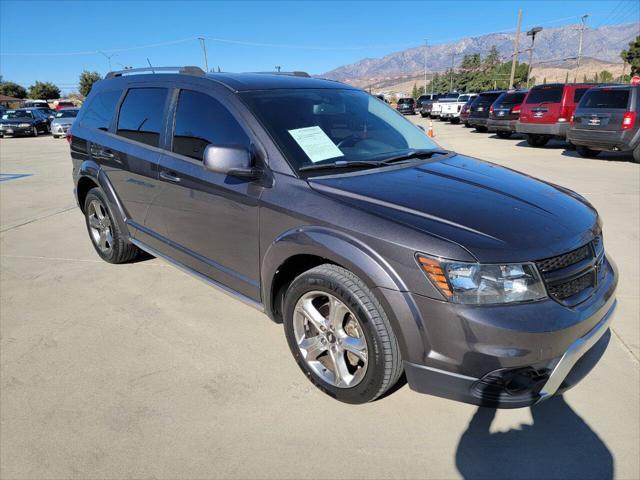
141 371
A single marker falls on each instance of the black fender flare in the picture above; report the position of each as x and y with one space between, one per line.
92 170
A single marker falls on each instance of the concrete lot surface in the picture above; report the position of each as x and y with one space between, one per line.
140 371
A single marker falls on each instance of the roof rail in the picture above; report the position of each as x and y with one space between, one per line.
187 70
292 74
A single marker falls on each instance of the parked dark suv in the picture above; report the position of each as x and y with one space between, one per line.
504 113
479 110
323 207
406 106
607 118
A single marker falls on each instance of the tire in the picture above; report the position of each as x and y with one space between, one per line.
481 129
466 125
423 115
536 140
503 134
636 154
116 248
455 120
56 136
34 132
361 314
586 151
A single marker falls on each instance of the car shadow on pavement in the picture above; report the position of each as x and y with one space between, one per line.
559 444
603 156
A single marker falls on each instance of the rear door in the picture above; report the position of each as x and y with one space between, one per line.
602 109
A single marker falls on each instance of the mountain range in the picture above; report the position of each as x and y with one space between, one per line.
552 45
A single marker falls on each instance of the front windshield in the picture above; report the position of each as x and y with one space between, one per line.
315 126
17 114
67 114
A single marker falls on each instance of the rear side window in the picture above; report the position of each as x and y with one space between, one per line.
511 98
579 93
545 94
140 116
486 99
617 99
202 120
100 110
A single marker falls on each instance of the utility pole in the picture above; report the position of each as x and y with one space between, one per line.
453 56
514 59
108 57
204 51
425 66
532 33
583 19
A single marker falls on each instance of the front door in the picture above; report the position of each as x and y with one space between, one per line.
205 220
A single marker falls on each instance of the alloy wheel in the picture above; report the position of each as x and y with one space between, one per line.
330 339
100 226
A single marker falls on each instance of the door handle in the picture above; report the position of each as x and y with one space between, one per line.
169 176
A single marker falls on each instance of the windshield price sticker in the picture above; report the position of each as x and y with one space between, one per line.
315 143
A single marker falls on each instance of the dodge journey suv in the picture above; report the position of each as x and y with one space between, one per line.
321 206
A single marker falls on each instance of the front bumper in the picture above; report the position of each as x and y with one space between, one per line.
59 129
510 356
407 111
17 130
495 125
548 129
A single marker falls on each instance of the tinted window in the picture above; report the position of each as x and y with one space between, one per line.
100 110
201 120
67 114
140 116
514 98
545 94
486 98
577 95
405 100
606 99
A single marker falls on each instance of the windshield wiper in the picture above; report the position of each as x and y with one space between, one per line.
411 155
341 164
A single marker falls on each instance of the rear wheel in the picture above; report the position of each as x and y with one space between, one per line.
503 134
636 154
340 336
536 140
455 120
586 151
110 243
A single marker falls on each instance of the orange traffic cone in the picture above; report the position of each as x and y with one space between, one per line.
430 131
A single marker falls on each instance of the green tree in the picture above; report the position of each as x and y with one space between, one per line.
544 81
606 76
566 78
44 91
584 78
87 79
414 91
632 56
11 89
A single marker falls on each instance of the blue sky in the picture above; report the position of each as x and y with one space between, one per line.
63 37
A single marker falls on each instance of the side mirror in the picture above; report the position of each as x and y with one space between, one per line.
228 160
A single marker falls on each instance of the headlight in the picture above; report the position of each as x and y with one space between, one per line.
482 284
24 125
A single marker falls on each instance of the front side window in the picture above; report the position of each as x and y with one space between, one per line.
201 120
140 116
100 110
315 126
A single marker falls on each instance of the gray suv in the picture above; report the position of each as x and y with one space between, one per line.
321 206
605 120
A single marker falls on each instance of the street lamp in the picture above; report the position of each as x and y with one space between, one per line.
532 33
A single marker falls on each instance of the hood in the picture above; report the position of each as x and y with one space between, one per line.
497 214
14 121
63 121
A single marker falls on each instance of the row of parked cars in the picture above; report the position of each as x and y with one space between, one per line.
592 118
36 120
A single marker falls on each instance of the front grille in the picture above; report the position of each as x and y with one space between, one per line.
572 287
564 283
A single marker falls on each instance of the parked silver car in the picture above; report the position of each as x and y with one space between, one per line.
62 122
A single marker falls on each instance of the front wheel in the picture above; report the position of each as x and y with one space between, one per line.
34 131
455 120
481 129
636 154
340 336
503 134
